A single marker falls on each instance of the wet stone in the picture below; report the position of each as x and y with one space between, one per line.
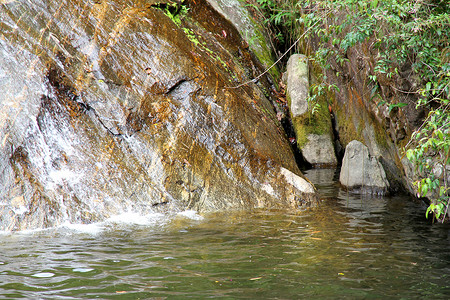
361 172
119 107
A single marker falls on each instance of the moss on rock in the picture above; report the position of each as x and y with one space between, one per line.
318 123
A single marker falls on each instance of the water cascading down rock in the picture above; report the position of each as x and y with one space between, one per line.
114 106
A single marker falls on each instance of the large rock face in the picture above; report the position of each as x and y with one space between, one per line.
361 172
113 106
313 129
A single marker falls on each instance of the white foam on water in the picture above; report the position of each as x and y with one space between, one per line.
93 228
127 219
43 275
191 214
137 219
28 231
82 270
114 222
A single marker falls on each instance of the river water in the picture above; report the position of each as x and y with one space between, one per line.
350 247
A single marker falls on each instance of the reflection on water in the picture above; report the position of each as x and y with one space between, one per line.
350 247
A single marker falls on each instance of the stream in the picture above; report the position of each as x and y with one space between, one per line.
350 247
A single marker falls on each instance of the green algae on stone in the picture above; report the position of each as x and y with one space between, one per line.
318 123
252 31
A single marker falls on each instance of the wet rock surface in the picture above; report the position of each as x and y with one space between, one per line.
113 106
253 34
361 172
319 151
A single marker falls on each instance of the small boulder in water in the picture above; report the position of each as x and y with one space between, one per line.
361 172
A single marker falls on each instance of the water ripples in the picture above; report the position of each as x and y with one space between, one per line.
347 248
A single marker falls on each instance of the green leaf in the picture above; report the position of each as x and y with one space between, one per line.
410 154
439 210
430 209
392 106
381 103
424 190
442 191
